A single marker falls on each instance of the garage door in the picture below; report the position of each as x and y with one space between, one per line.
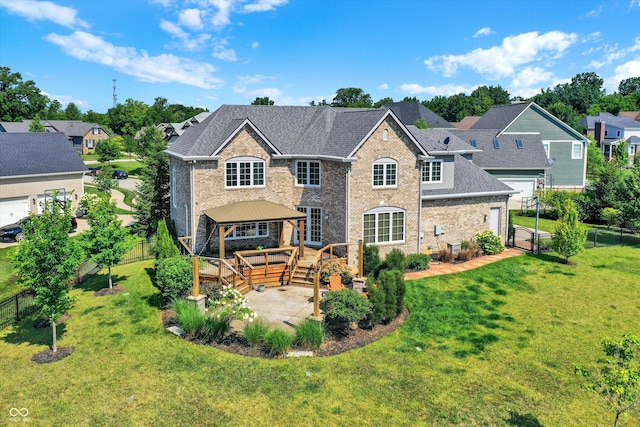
525 188
13 210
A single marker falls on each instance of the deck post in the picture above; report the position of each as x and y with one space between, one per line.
360 260
196 276
221 240
301 236
316 293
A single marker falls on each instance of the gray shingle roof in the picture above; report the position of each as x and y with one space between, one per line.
37 154
409 112
432 140
622 122
325 131
508 156
14 127
469 181
499 117
71 128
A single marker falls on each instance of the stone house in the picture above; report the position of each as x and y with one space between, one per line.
254 175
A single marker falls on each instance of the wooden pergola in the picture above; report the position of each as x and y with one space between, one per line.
253 211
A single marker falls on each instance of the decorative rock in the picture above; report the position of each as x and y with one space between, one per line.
177 330
299 354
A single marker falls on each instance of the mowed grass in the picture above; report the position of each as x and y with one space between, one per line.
494 346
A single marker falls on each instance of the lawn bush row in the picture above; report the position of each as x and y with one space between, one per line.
394 260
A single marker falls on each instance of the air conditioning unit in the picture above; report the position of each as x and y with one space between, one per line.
454 247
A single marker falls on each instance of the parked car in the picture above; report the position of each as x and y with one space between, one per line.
14 231
94 171
120 174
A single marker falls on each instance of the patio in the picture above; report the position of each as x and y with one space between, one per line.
283 306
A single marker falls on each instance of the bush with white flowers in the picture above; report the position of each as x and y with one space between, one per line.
229 304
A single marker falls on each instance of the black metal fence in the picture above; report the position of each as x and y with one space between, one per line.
21 305
16 308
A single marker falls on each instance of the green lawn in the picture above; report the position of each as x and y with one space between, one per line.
494 346
7 287
128 197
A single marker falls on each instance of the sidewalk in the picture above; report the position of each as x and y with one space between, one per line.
439 268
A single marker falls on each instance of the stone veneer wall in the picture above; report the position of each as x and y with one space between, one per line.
406 196
460 219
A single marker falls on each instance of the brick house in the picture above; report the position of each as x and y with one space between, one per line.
251 175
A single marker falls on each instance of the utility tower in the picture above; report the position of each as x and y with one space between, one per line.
115 97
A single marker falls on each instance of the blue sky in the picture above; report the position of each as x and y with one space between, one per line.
212 52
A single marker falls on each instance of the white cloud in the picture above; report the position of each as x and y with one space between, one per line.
383 86
613 53
527 81
263 5
221 16
65 100
255 45
594 12
624 71
443 90
221 51
45 11
191 18
162 68
501 61
186 42
254 79
485 31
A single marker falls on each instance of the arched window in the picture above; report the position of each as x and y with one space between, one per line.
244 172
385 173
383 225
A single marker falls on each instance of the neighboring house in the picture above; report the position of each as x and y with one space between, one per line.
609 130
467 122
251 176
83 135
172 131
33 166
410 112
565 147
518 160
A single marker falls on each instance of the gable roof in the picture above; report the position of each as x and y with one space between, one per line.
37 153
318 131
15 127
469 181
432 140
410 112
508 156
467 122
620 121
71 128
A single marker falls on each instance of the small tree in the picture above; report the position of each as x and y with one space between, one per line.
47 260
106 242
104 179
36 125
618 381
570 236
107 150
345 307
165 247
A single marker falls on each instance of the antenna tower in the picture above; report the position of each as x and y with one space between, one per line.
115 97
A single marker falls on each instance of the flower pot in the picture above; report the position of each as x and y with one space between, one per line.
260 288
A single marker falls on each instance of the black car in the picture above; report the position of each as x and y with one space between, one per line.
14 231
93 171
120 174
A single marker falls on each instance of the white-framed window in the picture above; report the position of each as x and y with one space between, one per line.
576 150
632 150
244 172
385 173
432 171
313 225
91 143
383 225
385 134
96 131
248 230
308 173
545 145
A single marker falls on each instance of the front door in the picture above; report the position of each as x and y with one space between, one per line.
494 220
313 225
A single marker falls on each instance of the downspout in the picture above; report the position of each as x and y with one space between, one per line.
348 203
506 228
419 248
193 204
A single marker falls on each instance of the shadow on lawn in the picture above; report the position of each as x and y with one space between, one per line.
522 420
25 332
100 281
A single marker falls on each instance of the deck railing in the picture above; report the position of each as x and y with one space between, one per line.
254 262
331 252
220 270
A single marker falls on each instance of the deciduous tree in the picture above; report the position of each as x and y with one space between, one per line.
19 100
47 259
107 150
352 97
570 235
262 101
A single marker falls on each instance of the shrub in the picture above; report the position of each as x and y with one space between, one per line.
309 334
489 242
279 341
216 327
230 304
376 299
165 247
371 260
256 333
174 277
469 250
345 307
190 318
445 255
336 267
417 261
88 202
387 283
394 260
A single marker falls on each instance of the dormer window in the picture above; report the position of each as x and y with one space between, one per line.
385 173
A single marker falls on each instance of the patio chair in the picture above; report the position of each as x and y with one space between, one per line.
335 283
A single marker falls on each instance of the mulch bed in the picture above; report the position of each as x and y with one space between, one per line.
44 323
109 291
235 343
48 356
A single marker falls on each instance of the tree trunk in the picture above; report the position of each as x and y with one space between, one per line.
110 281
615 423
55 340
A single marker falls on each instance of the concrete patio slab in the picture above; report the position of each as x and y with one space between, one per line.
283 306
